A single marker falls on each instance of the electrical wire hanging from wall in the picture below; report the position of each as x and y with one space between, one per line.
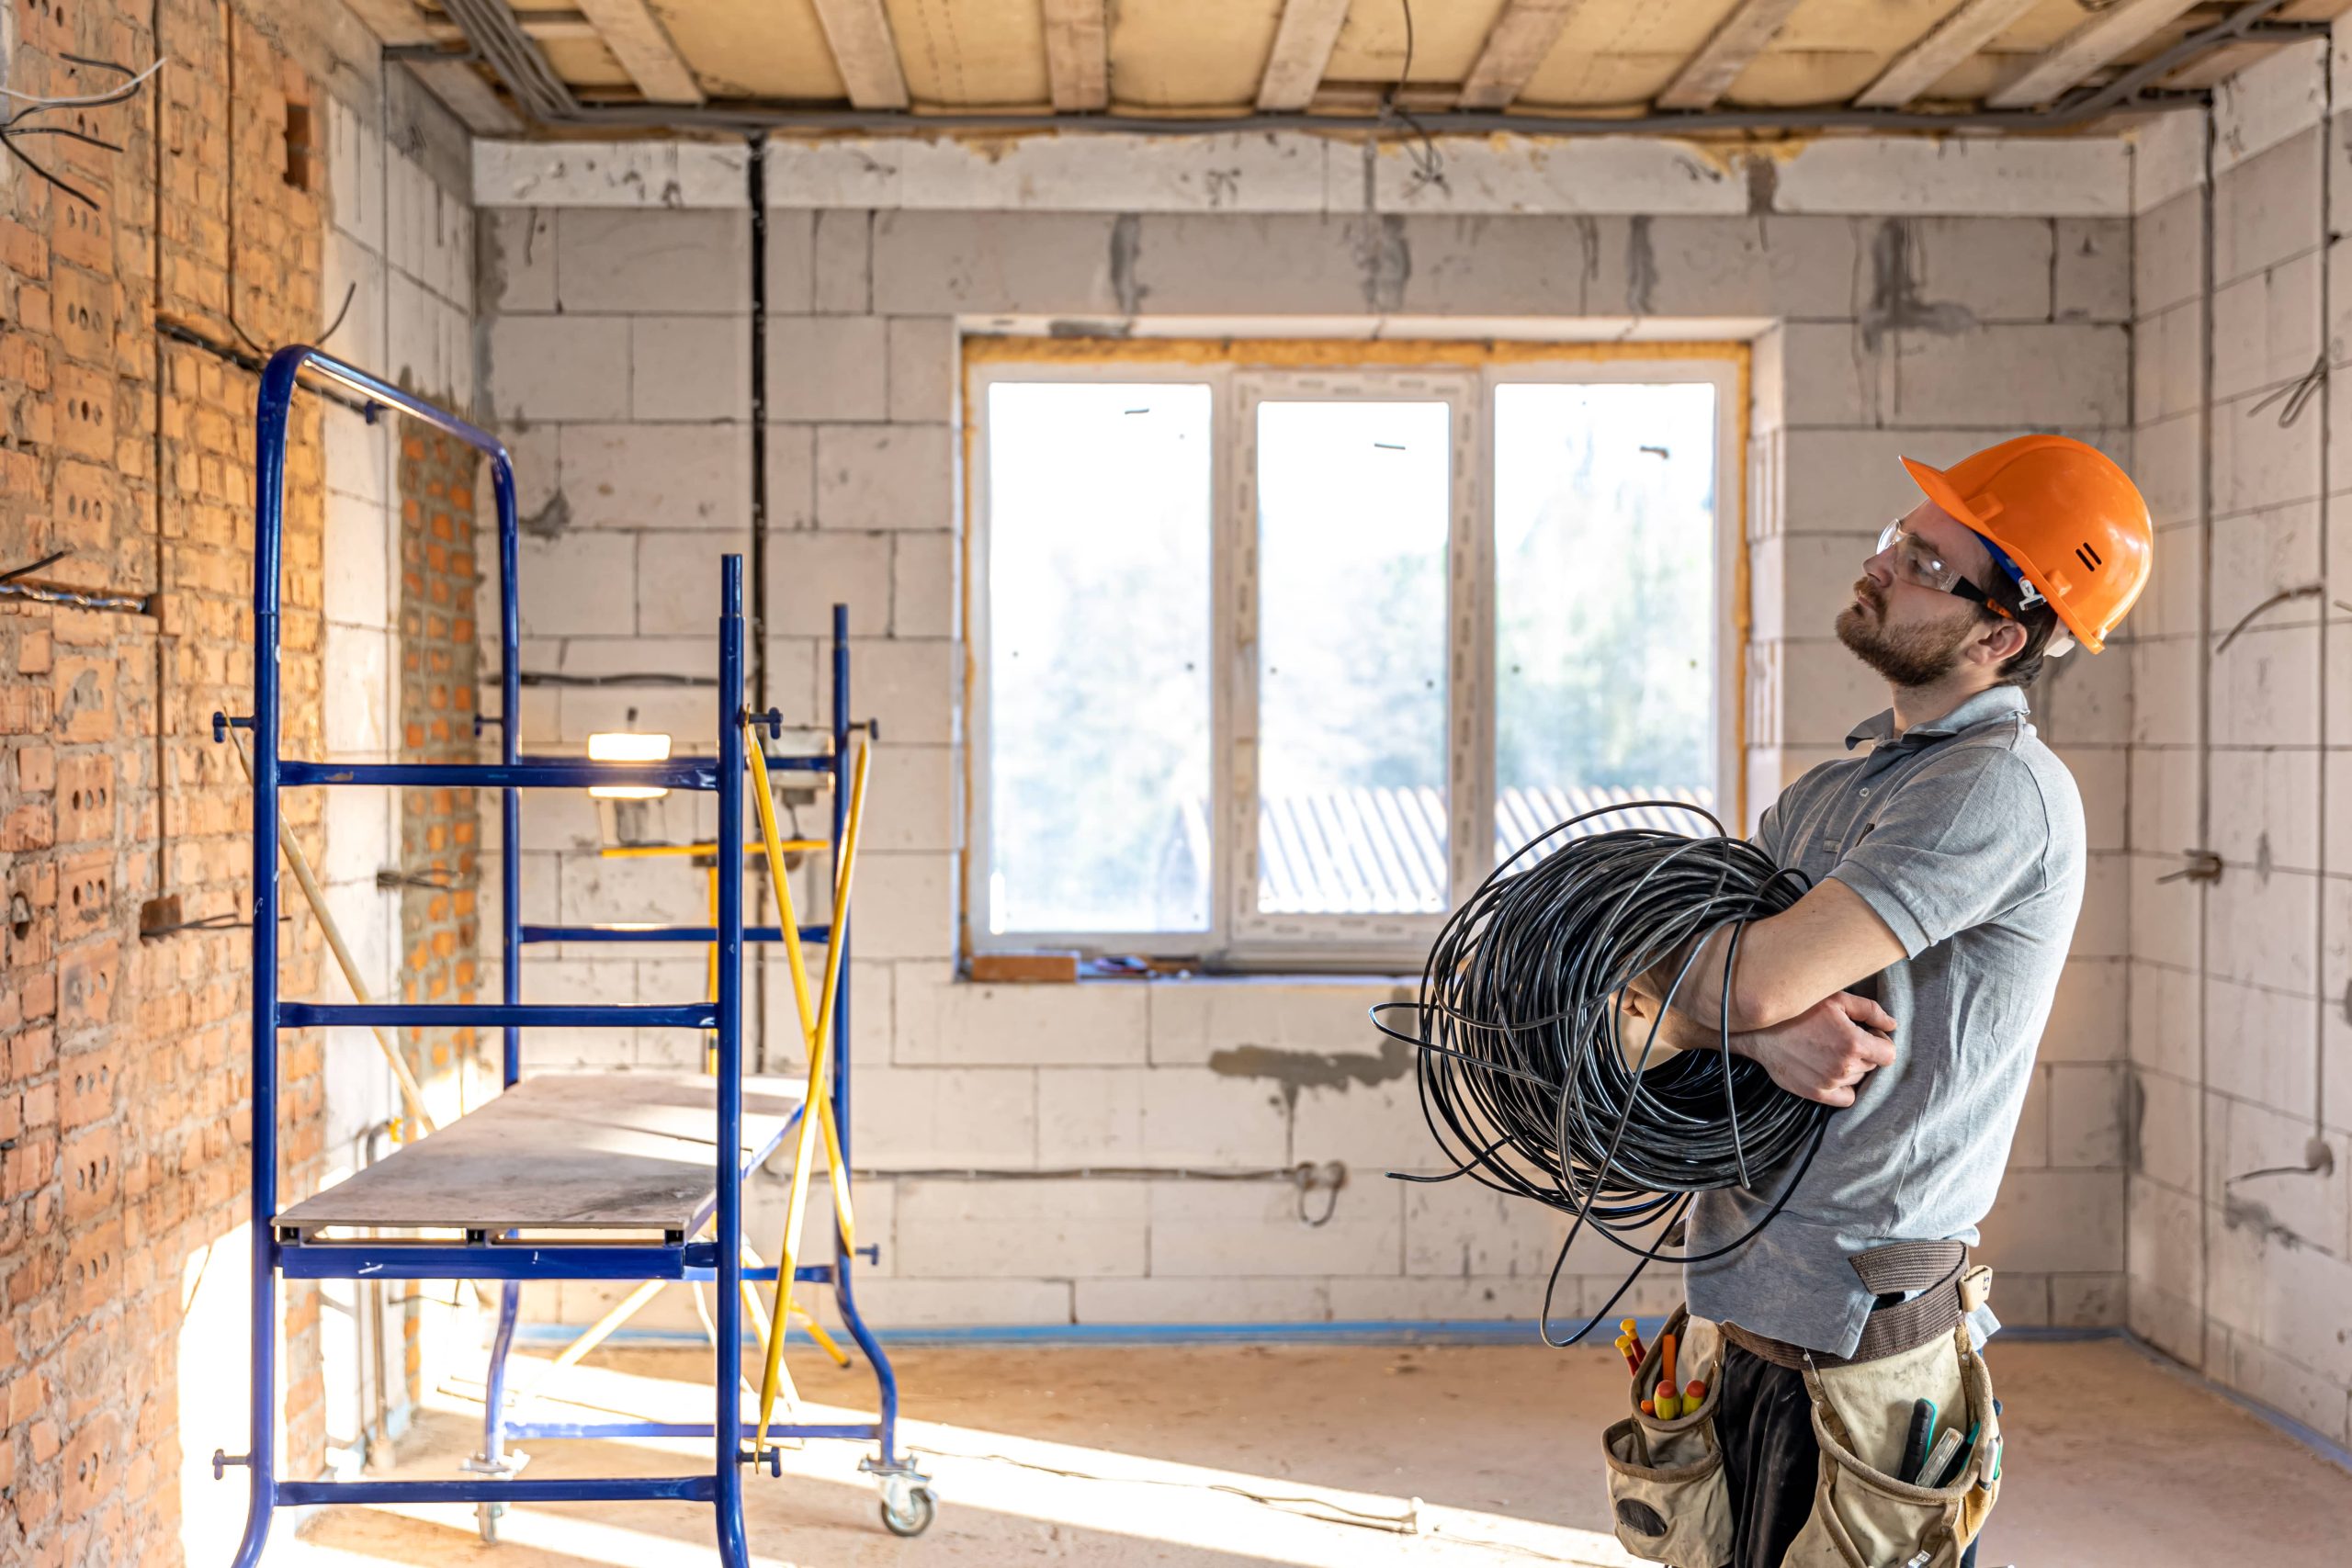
1531 1081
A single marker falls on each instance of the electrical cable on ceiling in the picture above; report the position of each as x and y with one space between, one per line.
1526 1079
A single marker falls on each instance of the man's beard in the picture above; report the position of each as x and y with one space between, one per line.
1915 656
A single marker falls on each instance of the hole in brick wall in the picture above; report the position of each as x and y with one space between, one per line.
20 916
298 146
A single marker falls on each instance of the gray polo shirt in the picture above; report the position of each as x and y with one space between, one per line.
1965 835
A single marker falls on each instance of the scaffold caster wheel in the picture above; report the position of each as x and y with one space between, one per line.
486 1521
915 1509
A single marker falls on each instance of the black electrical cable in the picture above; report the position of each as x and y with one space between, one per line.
1525 1072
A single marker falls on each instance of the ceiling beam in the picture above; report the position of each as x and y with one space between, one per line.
1707 76
2084 50
637 39
460 88
1078 54
1950 41
865 51
464 92
1302 45
1516 45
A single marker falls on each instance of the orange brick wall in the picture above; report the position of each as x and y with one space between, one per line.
124 1081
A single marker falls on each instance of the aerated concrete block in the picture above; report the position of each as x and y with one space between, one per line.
1229 1300
945 263
2266 808
1251 1229
979 1230
2093 277
643 478
515 253
933 1117
2267 209
2265 688
809 572
1457 1230
909 687
2262 1047
884 476
2167 253
1743 266
905 908
1194 1020
621 262
2087 1016
842 255
963 1024
2267 327
924 586
2048 1220
829 367
2257 462
678 578
911 798
544 368
2265 930
690 368
2086 1114
924 353
581 586
2065 374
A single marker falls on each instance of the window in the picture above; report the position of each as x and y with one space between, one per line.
1274 665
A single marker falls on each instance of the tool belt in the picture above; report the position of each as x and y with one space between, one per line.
1948 1291
1667 1483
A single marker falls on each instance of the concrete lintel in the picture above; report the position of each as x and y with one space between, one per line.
1984 177
1296 172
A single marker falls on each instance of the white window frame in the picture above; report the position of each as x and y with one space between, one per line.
1286 941
1238 936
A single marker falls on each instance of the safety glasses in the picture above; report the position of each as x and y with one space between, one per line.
1917 561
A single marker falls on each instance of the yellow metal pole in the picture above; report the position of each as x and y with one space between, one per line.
654 852
788 918
819 1040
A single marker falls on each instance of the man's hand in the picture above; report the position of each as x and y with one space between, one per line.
1826 1051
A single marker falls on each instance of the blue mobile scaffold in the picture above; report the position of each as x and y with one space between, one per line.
567 1176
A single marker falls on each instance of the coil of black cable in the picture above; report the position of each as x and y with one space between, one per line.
1533 1080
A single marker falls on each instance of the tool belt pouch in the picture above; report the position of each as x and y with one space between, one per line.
1863 1517
1666 1477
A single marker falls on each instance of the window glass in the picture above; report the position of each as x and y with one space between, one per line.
1604 600
1354 501
1098 657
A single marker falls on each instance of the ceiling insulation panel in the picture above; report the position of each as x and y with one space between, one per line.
972 54
1885 28
754 48
1208 55
587 65
1447 38
1791 78
1622 51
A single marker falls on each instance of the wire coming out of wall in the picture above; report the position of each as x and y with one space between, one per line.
1525 1076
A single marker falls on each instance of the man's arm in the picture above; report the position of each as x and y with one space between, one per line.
1822 1054
1788 964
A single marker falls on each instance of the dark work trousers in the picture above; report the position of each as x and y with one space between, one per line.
1771 1460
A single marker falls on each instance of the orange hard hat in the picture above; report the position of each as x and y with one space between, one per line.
2070 521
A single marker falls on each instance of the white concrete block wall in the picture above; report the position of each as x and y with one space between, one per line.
1891 315
2239 1038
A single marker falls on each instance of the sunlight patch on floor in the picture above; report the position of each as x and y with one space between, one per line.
1234 1515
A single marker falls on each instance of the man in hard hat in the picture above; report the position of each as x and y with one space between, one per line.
1910 985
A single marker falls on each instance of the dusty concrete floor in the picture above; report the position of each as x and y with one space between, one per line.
2111 1459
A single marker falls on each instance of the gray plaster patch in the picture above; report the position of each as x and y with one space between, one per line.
1295 1070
